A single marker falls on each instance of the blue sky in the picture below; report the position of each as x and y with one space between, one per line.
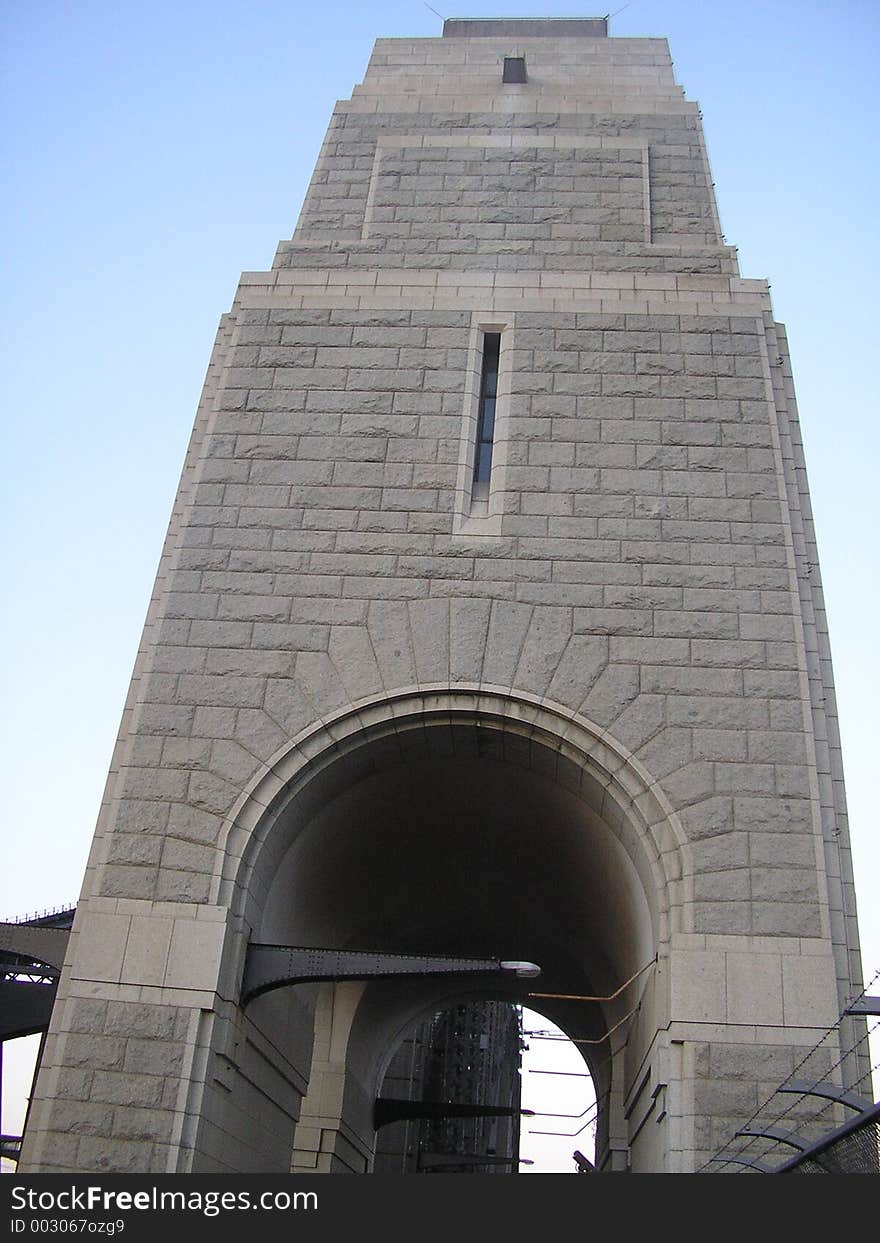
152 152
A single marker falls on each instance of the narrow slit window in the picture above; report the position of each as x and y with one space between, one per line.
514 69
486 413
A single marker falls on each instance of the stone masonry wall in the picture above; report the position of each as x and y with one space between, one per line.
641 550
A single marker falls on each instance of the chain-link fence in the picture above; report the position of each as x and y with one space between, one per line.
854 1149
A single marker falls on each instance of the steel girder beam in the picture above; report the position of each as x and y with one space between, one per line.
38 944
391 1109
25 1007
433 1160
866 1005
274 966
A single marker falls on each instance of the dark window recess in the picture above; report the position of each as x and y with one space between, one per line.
514 69
486 418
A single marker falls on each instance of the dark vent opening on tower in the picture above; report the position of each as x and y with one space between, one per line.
486 415
514 69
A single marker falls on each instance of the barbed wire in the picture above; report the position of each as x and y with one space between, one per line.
827 1106
761 1112
771 1144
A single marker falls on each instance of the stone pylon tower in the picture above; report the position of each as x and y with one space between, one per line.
488 624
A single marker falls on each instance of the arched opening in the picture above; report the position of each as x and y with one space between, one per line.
558 1095
486 1087
461 839
473 834
449 1102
